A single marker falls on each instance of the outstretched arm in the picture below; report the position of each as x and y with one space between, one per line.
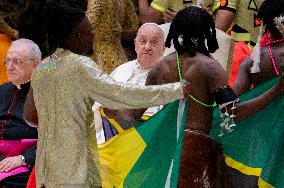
134 114
117 95
244 109
252 106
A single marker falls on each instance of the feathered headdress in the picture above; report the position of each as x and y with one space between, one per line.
205 4
255 56
279 23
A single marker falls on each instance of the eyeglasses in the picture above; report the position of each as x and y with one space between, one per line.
14 61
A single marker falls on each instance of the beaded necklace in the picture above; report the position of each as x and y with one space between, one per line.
272 57
190 96
273 60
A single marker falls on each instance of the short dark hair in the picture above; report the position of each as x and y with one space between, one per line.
194 26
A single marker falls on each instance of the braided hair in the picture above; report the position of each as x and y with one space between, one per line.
193 26
270 9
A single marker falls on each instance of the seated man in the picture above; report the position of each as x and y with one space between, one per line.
18 140
270 63
149 46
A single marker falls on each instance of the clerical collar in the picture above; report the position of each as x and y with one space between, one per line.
25 85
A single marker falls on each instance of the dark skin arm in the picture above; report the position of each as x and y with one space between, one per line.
243 81
148 13
224 19
257 104
169 15
250 107
30 112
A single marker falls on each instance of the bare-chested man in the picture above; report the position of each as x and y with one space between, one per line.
271 54
202 159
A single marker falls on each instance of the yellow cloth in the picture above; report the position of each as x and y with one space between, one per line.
176 5
109 19
5 42
117 157
65 88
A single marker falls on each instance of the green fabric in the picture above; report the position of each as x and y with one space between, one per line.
160 135
258 140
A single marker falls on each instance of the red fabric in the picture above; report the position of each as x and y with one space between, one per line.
32 180
241 51
265 40
10 148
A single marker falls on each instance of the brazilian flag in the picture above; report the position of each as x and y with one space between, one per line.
149 154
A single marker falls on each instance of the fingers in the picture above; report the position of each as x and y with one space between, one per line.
10 163
110 113
186 89
6 166
170 12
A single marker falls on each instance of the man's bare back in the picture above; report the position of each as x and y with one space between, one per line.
204 75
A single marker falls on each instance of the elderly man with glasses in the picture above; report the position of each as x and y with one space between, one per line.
17 139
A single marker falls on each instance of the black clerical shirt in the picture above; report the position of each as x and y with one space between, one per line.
12 124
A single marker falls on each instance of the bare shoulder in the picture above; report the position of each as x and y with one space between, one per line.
214 73
212 67
246 64
160 72
167 62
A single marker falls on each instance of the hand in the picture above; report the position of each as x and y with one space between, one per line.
111 113
169 15
11 163
186 89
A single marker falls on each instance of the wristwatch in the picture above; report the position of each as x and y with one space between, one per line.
23 160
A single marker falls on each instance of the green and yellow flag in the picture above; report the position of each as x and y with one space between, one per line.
256 147
148 155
